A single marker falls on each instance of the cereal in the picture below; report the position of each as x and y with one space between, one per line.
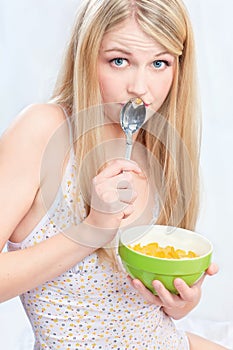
138 101
168 252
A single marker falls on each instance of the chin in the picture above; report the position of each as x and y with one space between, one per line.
112 112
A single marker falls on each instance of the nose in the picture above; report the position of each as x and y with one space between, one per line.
137 84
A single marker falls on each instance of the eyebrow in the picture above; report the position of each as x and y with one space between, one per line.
130 53
119 50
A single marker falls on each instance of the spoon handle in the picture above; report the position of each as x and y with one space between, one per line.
128 151
129 144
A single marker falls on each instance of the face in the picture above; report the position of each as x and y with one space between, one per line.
131 64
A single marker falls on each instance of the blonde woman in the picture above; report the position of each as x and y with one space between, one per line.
66 188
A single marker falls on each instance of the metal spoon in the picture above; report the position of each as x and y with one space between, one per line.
133 115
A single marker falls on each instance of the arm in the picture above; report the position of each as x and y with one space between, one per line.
26 269
21 153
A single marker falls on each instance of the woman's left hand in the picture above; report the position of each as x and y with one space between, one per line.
175 306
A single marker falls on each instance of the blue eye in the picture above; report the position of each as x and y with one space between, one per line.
159 63
119 62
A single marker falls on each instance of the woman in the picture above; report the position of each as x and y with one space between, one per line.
62 259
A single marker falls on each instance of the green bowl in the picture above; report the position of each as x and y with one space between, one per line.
147 268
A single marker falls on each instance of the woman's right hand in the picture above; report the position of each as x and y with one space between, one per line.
113 195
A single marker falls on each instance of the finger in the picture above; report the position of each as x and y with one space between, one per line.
118 166
165 296
128 211
122 180
127 196
186 293
212 269
198 284
147 295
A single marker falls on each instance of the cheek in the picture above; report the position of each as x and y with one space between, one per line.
111 87
166 87
102 80
162 89
167 83
160 92
107 86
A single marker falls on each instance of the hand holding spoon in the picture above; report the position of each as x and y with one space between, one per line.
132 117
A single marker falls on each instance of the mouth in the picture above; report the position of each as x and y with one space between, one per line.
145 104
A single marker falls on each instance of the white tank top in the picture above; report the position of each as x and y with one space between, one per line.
90 306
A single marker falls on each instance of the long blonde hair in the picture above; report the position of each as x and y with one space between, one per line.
176 147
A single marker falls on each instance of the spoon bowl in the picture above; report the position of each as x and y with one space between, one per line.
132 117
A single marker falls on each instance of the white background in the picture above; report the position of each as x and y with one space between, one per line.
32 38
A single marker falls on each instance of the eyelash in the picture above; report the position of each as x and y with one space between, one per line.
117 58
124 59
163 61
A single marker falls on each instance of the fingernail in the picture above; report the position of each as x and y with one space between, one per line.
178 282
156 285
137 285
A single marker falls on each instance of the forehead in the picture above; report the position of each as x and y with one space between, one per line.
130 35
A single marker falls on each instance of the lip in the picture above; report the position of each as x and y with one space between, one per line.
146 104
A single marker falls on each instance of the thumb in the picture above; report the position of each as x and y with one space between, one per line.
212 269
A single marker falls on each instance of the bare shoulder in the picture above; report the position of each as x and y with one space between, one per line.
31 131
37 122
22 149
